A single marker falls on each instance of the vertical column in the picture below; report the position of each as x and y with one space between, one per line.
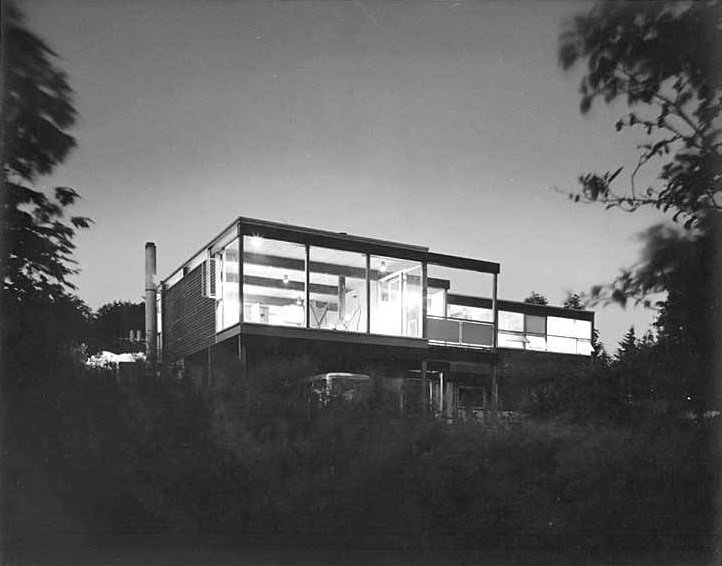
241 252
424 386
495 312
424 298
494 394
368 294
307 301
242 354
209 368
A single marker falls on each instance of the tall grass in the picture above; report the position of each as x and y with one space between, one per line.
250 460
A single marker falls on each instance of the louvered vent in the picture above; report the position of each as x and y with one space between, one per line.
208 285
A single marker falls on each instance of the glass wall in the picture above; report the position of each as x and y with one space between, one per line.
226 275
274 282
544 333
511 330
337 290
435 301
568 335
396 294
452 323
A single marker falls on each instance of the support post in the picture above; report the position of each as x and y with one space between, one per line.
368 294
241 253
424 386
307 294
495 312
242 355
494 394
424 298
209 368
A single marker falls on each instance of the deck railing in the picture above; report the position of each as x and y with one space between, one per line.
459 332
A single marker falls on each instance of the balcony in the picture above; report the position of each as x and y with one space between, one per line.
459 332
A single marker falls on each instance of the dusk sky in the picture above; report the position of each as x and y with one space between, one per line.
444 124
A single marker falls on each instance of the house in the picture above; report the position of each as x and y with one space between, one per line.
430 324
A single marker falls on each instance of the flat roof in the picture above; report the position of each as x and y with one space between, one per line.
342 241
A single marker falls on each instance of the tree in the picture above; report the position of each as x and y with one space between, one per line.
574 301
662 58
536 299
41 319
599 354
36 242
628 347
112 325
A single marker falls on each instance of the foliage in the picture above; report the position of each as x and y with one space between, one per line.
574 301
112 324
150 456
536 299
661 58
36 242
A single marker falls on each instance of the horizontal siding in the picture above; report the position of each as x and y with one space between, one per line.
188 318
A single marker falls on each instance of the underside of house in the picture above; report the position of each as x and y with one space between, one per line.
429 325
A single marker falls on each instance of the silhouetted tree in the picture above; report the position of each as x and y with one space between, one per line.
36 243
628 347
112 325
573 301
662 58
599 354
536 299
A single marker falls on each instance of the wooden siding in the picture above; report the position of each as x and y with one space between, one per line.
189 323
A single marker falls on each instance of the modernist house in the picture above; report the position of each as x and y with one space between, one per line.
423 321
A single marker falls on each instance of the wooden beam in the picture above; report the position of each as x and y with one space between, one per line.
463 263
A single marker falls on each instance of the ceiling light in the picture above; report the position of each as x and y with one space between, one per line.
382 269
256 242
285 278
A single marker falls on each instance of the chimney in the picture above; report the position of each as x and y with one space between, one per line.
151 321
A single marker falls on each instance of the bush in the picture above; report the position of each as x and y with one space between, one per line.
251 459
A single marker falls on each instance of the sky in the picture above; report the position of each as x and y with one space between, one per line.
443 124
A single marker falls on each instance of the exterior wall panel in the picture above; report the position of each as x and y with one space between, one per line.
188 318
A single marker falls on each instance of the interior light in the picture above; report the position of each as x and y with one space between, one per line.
256 242
382 269
285 278
299 301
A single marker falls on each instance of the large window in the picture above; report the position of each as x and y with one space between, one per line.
337 290
226 273
511 330
569 336
544 333
274 282
396 290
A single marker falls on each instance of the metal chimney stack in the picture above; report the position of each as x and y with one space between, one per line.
151 319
